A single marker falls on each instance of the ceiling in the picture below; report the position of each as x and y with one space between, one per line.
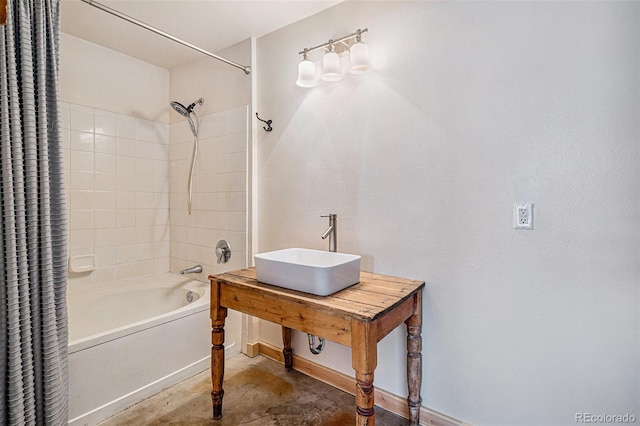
209 24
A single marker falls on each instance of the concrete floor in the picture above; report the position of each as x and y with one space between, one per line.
258 392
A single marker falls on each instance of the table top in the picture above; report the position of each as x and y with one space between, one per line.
367 300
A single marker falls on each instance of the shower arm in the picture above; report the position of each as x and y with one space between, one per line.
246 69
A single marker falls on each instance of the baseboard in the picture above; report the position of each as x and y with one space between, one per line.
386 400
253 349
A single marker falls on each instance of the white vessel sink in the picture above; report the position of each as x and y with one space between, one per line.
312 271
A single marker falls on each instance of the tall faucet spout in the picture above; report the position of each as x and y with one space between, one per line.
332 232
327 232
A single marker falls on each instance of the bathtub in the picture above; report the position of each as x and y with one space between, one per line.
130 341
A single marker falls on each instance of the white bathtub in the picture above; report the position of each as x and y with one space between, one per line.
131 341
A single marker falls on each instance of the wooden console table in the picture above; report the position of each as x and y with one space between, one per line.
358 317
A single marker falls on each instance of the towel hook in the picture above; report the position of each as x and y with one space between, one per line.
268 127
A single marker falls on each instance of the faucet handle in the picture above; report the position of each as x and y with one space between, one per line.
330 215
223 251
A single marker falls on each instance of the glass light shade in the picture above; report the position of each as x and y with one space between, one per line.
360 63
331 67
307 74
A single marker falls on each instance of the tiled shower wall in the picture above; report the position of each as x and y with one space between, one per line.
117 185
219 202
124 181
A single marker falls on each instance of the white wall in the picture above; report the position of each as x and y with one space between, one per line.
219 192
117 186
116 136
222 86
475 106
227 94
102 78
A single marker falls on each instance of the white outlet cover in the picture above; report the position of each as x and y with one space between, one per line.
523 216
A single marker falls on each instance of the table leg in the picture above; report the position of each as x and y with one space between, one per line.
364 355
287 351
218 315
414 360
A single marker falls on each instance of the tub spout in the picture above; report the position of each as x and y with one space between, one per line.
193 270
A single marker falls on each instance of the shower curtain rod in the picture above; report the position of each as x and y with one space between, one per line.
246 69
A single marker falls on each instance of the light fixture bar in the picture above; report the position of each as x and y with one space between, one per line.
330 42
246 69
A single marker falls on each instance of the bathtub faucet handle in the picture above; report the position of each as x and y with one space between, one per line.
193 270
223 251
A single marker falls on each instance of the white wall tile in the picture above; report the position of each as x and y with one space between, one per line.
81 141
81 239
144 166
105 181
144 251
125 147
144 234
105 163
125 165
105 123
81 219
81 118
124 192
105 199
126 253
125 271
105 219
66 138
105 144
126 235
144 183
82 160
65 115
105 275
144 200
106 256
105 237
125 219
81 180
144 268
218 170
237 122
238 181
145 130
125 127
237 201
125 199
82 199
161 265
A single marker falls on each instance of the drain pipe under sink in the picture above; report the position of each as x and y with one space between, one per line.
332 233
312 344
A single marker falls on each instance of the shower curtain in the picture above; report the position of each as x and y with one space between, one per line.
33 317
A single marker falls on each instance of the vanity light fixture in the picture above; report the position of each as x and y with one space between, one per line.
331 64
306 72
331 69
360 63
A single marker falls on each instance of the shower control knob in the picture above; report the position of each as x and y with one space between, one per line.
223 251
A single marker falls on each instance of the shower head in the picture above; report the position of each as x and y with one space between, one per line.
180 109
187 111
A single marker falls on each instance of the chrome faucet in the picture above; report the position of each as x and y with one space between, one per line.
193 270
332 232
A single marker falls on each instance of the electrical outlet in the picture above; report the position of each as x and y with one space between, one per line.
523 216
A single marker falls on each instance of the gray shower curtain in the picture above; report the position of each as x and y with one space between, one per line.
33 313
